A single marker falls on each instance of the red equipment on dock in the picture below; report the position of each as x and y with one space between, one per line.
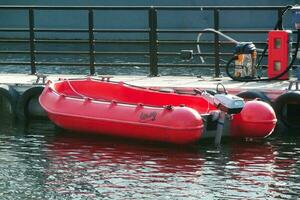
278 59
118 109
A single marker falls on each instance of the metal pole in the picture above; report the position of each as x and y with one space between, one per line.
216 41
153 42
32 41
91 42
279 19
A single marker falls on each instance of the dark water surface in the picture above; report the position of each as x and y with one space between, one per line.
40 162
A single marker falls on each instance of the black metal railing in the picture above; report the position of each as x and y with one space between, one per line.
152 41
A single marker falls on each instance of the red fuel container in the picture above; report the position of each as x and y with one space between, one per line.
278 59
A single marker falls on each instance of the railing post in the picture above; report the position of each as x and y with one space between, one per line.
91 42
32 41
279 19
153 42
217 43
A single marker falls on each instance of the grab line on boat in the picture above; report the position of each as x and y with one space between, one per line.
72 88
122 121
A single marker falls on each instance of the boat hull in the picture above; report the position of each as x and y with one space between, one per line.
179 125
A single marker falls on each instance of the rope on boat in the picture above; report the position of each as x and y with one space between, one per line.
75 91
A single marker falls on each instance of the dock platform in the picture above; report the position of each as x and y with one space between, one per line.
271 88
22 91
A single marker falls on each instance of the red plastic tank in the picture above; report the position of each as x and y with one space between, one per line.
257 119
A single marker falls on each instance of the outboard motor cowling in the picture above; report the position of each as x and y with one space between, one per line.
229 104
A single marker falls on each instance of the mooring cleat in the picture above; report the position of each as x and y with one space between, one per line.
39 77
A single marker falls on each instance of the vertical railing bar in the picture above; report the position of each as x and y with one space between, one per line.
91 42
217 43
32 41
153 42
279 19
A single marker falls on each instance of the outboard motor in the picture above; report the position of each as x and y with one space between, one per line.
228 105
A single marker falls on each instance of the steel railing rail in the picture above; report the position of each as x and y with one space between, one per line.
40 7
152 30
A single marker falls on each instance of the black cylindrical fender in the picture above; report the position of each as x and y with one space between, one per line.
25 102
280 105
254 94
9 93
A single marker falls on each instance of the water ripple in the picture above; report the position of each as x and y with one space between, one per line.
47 165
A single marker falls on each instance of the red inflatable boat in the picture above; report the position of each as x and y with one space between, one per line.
119 109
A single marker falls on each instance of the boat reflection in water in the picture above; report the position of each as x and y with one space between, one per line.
97 167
